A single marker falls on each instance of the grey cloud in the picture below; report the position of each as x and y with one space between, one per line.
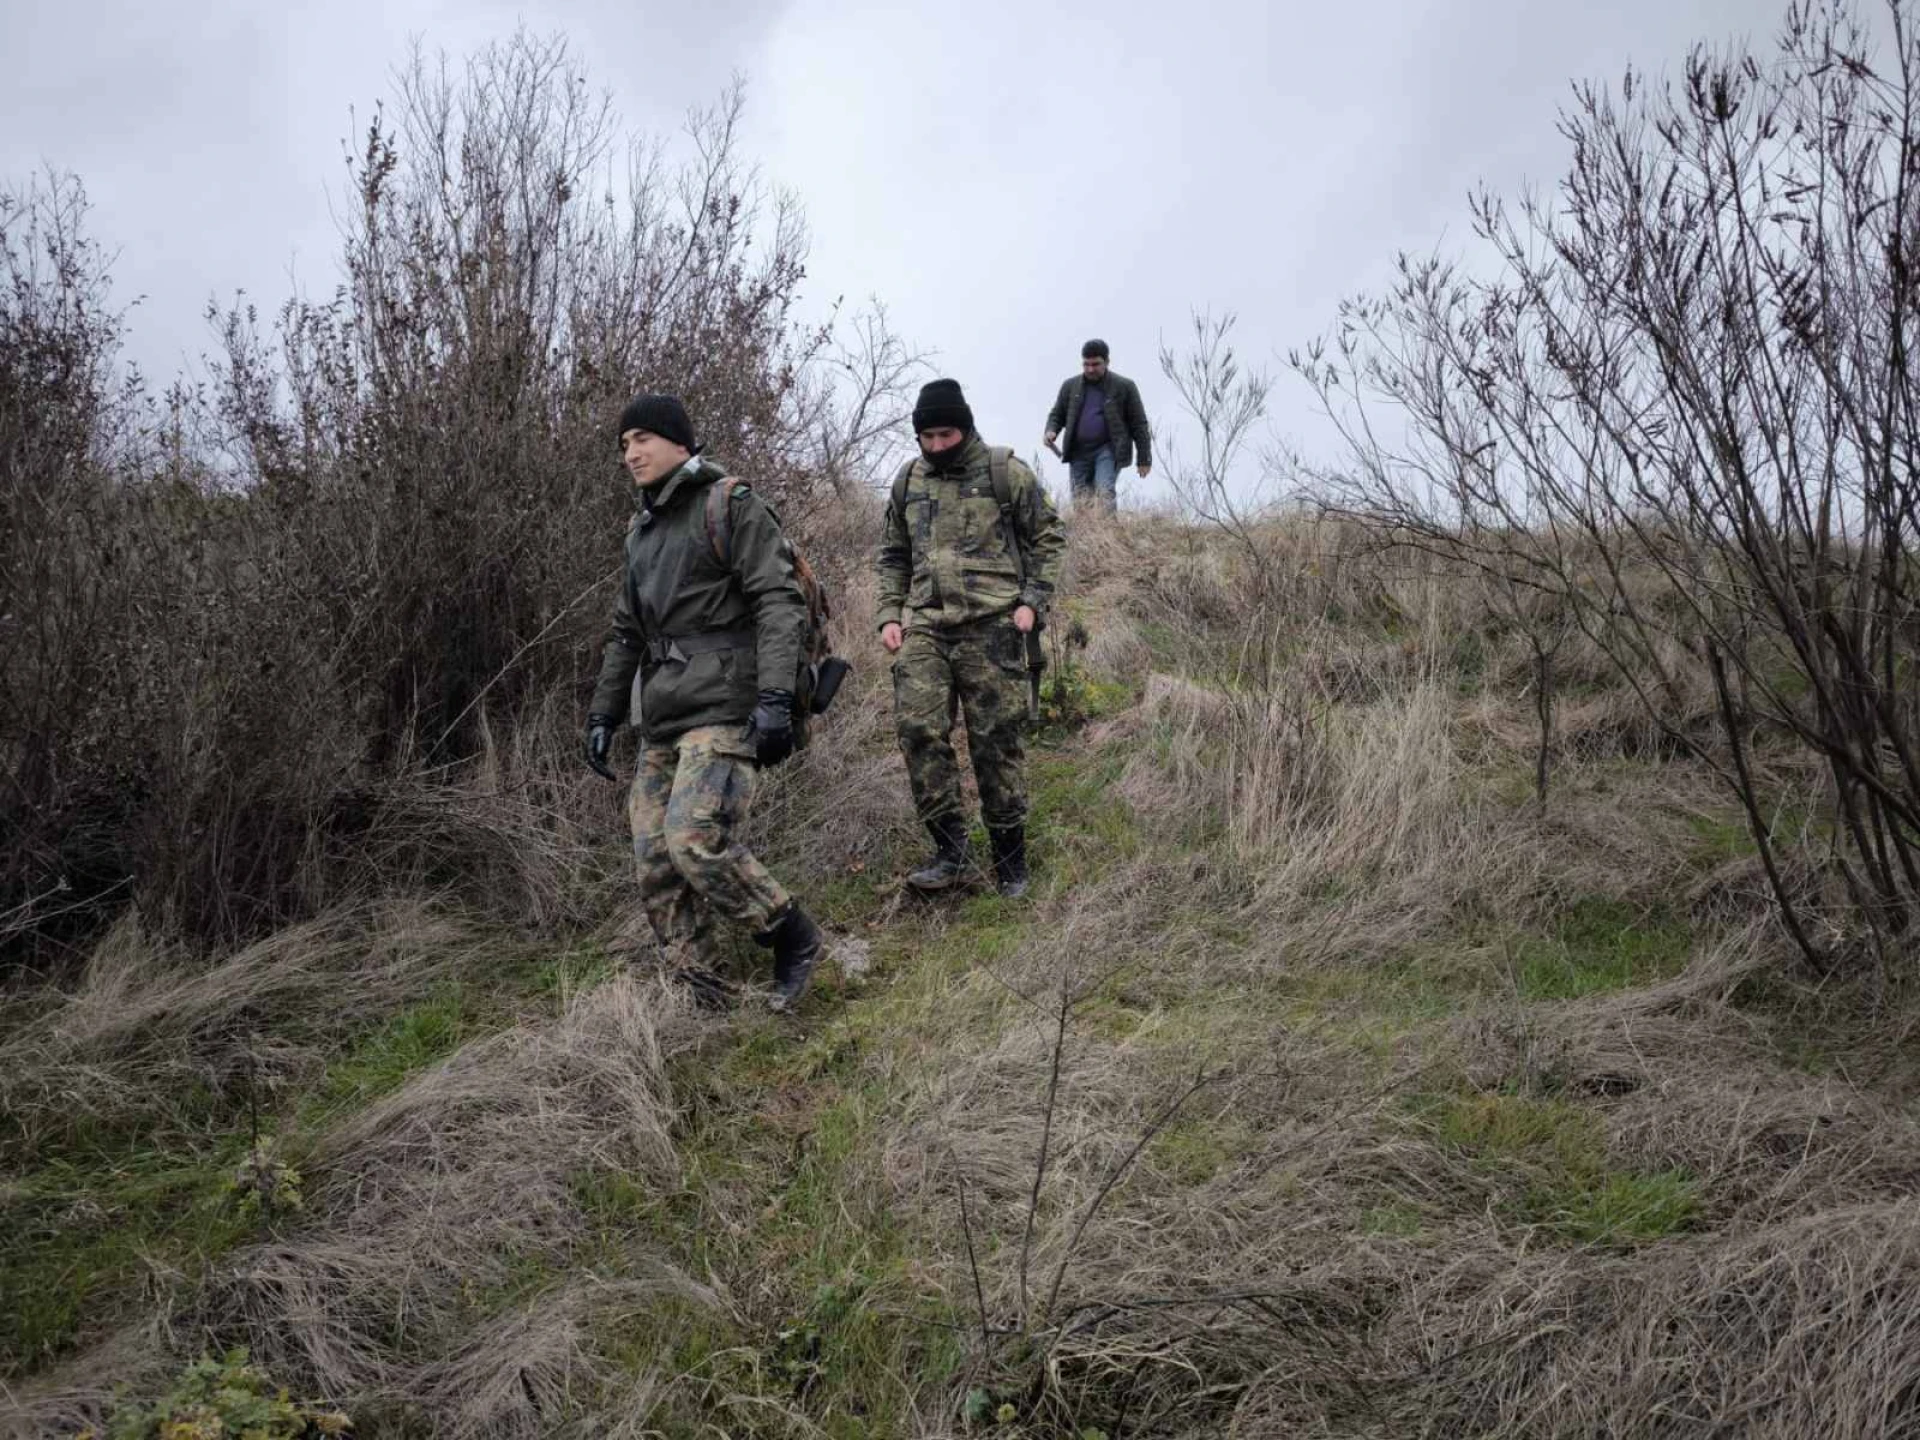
1009 178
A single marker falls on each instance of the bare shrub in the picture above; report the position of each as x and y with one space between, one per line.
1680 411
381 544
65 571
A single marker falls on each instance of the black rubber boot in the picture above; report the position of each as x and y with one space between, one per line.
948 867
796 943
1010 860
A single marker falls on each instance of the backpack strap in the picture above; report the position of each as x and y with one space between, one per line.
900 486
719 515
999 474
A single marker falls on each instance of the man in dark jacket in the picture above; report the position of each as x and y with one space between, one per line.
704 656
1102 428
967 569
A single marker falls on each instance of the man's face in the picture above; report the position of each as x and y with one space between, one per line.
1094 367
942 439
649 458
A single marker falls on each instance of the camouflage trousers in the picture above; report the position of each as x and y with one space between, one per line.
979 671
689 798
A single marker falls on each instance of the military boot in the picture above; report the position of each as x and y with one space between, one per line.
1009 860
795 941
948 867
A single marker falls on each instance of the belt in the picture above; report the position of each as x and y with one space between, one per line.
680 647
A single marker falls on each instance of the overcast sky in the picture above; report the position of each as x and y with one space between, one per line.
1010 178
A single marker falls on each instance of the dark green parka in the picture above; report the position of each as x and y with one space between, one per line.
691 638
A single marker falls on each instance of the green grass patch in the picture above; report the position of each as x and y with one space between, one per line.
1598 945
1719 841
784 1198
849 900
1191 1152
1169 648
380 1060
1401 1221
1622 1208
1080 825
150 1202
555 979
72 1233
1552 1156
1070 696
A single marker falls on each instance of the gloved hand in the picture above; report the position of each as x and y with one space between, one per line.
770 727
600 743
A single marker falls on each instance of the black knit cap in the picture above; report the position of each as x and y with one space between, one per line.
661 415
941 404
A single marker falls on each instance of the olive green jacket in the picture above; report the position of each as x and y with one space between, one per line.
674 588
945 556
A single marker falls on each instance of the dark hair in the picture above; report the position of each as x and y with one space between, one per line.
1094 350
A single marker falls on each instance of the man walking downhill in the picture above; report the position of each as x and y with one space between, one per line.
968 564
1104 427
705 656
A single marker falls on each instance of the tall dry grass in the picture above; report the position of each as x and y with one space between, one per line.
1227 1046
148 1020
404 1285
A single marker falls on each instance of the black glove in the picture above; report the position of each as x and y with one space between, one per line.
599 742
770 727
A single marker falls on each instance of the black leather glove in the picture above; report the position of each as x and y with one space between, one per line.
599 743
770 727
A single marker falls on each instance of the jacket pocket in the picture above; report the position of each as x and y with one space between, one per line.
708 686
983 535
990 584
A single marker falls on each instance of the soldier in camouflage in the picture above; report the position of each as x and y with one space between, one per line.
965 580
704 657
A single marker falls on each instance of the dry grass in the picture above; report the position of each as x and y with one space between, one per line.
433 1274
146 1021
1375 1098
430 1203
1552 1241
844 801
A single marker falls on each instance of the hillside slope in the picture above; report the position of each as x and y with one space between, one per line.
1329 1084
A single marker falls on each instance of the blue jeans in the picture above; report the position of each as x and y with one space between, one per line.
1091 477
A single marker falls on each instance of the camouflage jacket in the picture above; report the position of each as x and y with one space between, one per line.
1127 428
946 558
675 589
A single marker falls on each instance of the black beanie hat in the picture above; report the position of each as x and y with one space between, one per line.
941 404
661 415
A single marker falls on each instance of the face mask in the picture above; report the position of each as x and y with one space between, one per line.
945 460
